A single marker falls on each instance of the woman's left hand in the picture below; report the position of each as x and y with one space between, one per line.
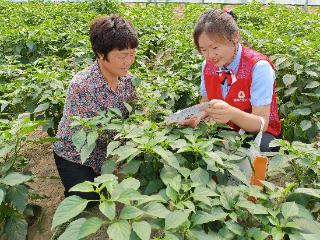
220 111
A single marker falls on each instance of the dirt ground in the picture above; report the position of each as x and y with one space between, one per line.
42 165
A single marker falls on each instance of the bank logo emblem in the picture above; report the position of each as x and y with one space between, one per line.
241 97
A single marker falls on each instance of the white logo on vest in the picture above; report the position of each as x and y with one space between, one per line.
241 97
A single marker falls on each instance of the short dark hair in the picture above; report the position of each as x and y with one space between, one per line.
215 22
112 32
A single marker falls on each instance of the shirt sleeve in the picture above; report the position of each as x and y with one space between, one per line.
263 77
203 91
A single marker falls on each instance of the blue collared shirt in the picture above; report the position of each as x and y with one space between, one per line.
263 77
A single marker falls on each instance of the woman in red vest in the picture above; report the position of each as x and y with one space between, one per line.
239 82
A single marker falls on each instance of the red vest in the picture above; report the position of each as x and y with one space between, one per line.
239 92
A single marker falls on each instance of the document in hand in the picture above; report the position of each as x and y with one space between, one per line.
186 113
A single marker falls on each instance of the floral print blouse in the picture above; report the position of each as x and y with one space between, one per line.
89 93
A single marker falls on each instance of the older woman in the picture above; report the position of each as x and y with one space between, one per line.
105 84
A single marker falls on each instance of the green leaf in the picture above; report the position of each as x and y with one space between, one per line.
235 228
119 230
308 225
167 174
238 174
31 45
86 150
310 236
178 144
290 91
153 186
201 217
278 164
171 193
155 198
112 146
73 230
2 195
292 225
126 196
130 212
92 137
200 176
296 236
134 236
15 178
131 167
108 209
18 195
138 135
185 172
125 152
116 111
305 125
5 150
252 208
128 107
170 236
218 213
257 234
175 219
288 79
167 156
4 104
16 228
202 235
289 209
175 183
212 158
130 183
108 167
269 185
79 139
280 61
309 191
90 226
67 209
142 229
136 81
312 73
106 178
156 210
204 191
277 234
83 187
42 107
302 111
190 205
313 84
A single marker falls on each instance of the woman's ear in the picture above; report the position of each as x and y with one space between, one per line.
100 56
236 37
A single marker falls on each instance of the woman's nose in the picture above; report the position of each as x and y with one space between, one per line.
210 54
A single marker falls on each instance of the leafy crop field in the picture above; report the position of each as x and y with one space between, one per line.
156 180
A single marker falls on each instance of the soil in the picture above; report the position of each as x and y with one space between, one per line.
41 164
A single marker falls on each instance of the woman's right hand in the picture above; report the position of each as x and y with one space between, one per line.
194 121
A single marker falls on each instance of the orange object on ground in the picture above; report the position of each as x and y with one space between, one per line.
260 170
